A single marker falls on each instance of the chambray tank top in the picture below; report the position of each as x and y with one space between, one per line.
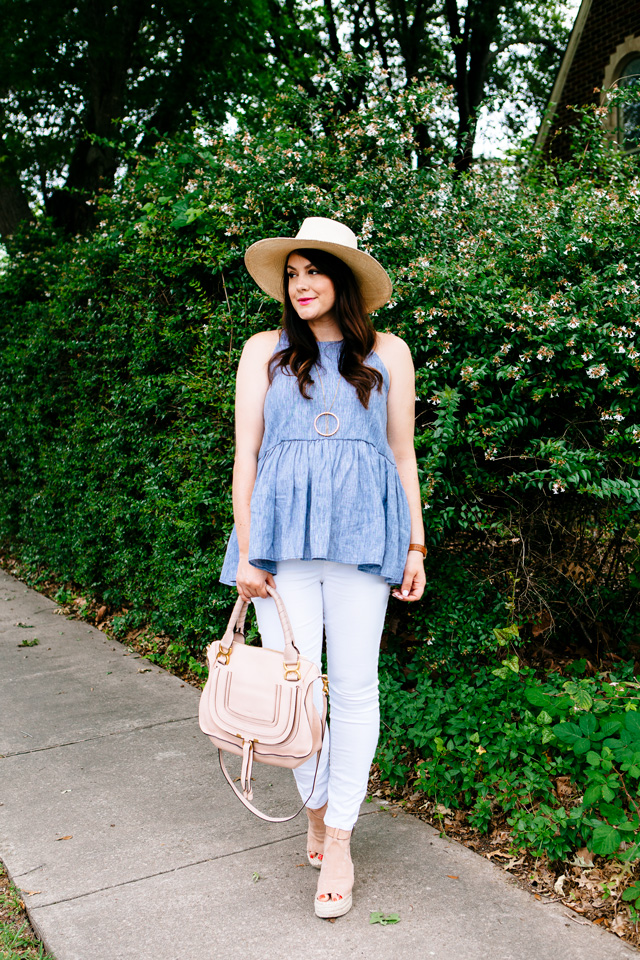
326 497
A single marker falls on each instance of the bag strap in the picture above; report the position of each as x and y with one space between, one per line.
235 628
250 806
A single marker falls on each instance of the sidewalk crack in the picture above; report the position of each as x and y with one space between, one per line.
100 736
184 866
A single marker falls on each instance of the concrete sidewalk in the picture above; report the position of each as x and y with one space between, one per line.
128 845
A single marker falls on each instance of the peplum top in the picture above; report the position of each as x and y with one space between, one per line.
334 497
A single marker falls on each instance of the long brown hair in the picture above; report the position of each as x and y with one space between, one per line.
301 352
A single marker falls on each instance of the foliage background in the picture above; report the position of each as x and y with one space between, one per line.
517 295
80 77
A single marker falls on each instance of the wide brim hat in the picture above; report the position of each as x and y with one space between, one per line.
266 259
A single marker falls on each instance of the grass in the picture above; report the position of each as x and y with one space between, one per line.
17 939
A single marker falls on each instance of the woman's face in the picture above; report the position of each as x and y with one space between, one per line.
312 293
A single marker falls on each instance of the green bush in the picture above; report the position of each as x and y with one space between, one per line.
496 741
516 294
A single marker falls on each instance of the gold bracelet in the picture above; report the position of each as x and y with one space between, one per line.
420 547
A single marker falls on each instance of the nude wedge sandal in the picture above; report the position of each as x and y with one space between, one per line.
315 836
336 875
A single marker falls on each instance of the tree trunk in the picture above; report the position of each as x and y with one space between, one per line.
111 33
14 207
472 55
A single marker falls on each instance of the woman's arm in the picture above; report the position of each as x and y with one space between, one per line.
252 383
400 429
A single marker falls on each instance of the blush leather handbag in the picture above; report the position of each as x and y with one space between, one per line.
258 704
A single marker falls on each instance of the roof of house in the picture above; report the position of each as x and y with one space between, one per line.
563 71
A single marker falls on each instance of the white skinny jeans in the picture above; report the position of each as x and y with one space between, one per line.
351 606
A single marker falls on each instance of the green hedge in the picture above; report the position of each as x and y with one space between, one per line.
516 293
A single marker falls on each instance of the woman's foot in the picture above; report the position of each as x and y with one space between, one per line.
315 836
333 897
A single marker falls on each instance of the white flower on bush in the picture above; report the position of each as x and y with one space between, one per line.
622 268
545 353
573 323
367 228
598 370
558 486
586 355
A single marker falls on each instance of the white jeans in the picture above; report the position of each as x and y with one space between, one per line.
351 606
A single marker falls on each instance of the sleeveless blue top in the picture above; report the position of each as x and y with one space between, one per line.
326 497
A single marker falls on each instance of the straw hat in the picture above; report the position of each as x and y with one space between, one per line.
266 259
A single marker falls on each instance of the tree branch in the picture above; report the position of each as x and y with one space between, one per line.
537 41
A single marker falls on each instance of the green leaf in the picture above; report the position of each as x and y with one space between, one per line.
571 734
579 694
592 794
588 724
632 723
583 699
505 635
632 892
544 718
608 728
536 697
605 839
512 663
614 814
384 919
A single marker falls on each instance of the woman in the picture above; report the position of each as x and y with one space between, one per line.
327 503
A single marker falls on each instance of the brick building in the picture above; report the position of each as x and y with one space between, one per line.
603 53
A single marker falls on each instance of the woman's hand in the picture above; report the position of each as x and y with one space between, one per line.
414 579
252 581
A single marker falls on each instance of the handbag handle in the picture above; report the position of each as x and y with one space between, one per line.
235 628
